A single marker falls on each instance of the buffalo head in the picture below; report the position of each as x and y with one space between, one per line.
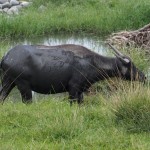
127 69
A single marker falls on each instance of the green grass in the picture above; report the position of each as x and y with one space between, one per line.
51 123
134 113
115 116
98 17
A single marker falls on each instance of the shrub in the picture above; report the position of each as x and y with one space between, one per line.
133 112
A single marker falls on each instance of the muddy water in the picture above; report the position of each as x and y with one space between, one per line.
94 43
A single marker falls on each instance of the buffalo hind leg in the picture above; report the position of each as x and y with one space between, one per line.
80 98
25 91
75 91
7 86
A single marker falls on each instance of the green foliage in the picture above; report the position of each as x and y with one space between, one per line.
91 16
50 123
134 112
113 108
138 56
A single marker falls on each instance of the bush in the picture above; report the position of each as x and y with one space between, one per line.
134 112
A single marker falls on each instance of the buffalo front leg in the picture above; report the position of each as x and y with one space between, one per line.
80 98
75 95
75 91
25 91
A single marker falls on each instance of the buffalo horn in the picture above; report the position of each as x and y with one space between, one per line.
116 51
119 54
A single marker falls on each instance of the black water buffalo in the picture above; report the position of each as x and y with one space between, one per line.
63 68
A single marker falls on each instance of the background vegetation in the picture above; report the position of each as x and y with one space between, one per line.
91 16
118 121
116 115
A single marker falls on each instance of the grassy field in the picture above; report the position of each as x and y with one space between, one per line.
115 115
118 121
97 17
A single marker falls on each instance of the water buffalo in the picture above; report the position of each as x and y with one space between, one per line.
62 68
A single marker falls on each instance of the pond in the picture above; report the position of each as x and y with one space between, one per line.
94 43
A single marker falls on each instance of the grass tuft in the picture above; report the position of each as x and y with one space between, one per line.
133 112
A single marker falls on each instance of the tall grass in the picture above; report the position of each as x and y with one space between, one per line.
134 112
98 17
101 123
116 116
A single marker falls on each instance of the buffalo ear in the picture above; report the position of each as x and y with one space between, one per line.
127 60
124 59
